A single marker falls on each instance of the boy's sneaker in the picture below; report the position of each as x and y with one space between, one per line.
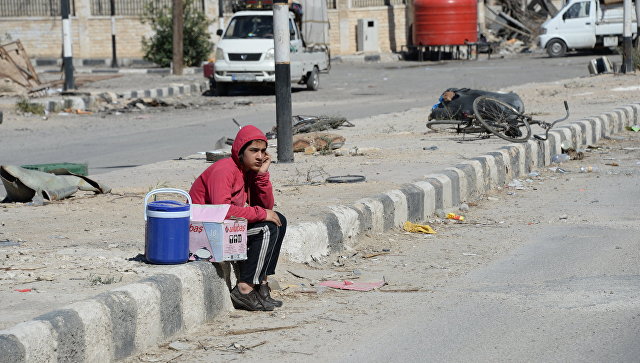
265 293
251 301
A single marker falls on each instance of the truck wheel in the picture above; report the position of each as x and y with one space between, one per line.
556 48
313 80
222 89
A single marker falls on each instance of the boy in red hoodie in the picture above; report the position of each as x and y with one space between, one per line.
243 182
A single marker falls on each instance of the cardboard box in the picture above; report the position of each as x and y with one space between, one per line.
214 238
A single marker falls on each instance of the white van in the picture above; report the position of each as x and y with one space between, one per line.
245 53
583 24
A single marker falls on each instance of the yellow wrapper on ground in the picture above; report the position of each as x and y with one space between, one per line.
418 228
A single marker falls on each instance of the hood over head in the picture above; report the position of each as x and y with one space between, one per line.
245 135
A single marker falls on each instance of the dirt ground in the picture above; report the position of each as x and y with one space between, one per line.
70 250
416 267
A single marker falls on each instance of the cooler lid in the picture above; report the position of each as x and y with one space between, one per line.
168 206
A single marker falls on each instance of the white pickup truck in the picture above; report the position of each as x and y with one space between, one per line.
583 24
245 53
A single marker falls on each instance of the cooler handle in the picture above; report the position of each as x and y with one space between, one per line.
165 190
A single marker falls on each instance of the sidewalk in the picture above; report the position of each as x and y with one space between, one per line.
137 315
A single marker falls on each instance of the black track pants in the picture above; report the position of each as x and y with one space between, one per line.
263 248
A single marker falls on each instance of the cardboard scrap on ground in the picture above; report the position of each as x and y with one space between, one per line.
350 285
319 140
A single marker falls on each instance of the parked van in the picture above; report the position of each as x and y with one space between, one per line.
584 24
245 52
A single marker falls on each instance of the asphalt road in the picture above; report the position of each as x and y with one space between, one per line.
350 90
569 294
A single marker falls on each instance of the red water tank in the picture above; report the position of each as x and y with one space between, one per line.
444 22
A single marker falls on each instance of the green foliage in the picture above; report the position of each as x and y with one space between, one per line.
25 106
196 44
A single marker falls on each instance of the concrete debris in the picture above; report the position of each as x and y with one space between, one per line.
16 67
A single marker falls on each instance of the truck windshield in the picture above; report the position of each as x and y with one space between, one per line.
254 26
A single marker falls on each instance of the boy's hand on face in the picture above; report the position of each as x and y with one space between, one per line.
273 217
266 161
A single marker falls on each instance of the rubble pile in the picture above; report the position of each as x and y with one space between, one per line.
513 27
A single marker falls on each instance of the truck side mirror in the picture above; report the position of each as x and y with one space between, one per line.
564 16
219 32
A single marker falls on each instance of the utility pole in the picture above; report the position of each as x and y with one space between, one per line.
282 56
114 58
638 23
178 23
221 14
627 46
67 57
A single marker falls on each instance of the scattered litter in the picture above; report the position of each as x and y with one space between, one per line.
23 290
558 170
23 185
345 179
321 141
566 145
634 128
534 174
454 216
373 255
516 183
563 217
180 346
350 285
418 228
469 254
612 164
430 148
630 148
560 158
588 169
464 207
8 243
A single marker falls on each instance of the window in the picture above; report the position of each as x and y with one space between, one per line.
578 10
243 27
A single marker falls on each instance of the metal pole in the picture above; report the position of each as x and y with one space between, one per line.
282 57
221 14
114 58
67 57
178 22
627 46
638 23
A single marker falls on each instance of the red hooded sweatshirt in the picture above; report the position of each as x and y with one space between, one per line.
249 193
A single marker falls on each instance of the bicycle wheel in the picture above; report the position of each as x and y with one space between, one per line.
502 119
455 126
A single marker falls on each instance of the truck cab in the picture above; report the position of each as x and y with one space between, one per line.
582 24
245 53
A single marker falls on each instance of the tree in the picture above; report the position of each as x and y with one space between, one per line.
159 47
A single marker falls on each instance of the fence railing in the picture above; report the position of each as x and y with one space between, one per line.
24 8
131 7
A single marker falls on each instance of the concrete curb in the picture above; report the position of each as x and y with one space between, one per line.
86 102
122 321
128 319
447 189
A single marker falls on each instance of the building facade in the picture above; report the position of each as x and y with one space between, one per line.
38 25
